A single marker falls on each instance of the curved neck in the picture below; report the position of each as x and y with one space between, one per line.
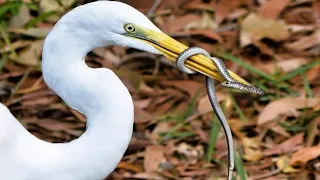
98 94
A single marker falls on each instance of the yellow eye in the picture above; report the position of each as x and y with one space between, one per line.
129 28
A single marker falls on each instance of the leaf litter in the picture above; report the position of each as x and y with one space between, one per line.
273 44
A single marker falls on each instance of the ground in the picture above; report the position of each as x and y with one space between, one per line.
274 44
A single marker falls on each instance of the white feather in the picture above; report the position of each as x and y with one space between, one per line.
98 93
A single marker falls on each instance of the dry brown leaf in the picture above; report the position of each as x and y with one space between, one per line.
142 103
302 156
252 155
141 116
78 115
21 19
237 13
196 5
170 4
32 32
236 126
50 5
206 22
153 157
283 164
129 166
292 64
144 175
316 11
41 101
176 24
107 55
161 127
251 149
255 27
191 87
15 45
305 42
142 6
31 56
272 9
204 105
286 146
53 125
207 33
296 28
224 7
284 106
193 154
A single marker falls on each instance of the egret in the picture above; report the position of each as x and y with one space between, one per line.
96 92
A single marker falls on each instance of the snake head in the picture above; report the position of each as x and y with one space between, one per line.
243 87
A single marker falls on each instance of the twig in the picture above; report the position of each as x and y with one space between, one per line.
154 6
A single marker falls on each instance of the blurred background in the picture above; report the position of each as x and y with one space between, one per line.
274 44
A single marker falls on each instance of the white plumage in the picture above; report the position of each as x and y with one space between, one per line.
97 93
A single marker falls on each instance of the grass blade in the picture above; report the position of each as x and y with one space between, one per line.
240 166
247 66
300 70
215 129
306 85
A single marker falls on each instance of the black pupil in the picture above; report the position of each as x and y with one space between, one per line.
130 28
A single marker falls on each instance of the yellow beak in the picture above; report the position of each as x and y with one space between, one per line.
171 48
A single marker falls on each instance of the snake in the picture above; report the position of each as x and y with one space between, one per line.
230 82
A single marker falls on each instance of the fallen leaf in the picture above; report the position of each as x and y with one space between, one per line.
302 156
53 125
107 55
78 115
286 146
142 103
42 101
223 8
161 127
207 33
251 149
68 3
32 32
255 27
206 22
305 42
283 164
191 87
292 64
50 5
252 155
153 157
296 28
15 45
129 166
31 55
193 154
141 116
272 8
178 23
316 11
204 105
237 13
284 106
21 19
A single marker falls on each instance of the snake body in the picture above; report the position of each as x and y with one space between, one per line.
243 87
230 82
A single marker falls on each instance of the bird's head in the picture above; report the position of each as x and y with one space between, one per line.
121 24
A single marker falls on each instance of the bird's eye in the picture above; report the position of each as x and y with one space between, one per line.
129 28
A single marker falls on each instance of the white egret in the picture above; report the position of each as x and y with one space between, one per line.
97 93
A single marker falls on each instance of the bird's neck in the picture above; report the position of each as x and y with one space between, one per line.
99 95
